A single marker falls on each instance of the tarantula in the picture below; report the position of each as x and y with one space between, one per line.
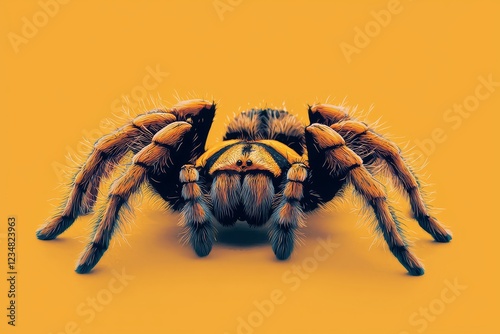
269 169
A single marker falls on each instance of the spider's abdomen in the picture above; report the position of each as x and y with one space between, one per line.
258 124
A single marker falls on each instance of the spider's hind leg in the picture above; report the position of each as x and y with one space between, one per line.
362 140
328 153
110 149
107 153
196 215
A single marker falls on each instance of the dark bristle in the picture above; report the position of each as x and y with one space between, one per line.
282 240
201 238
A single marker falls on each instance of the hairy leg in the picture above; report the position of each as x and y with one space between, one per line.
288 216
107 153
361 139
327 151
327 114
110 149
155 156
196 215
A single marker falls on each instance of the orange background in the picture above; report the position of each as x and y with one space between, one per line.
66 82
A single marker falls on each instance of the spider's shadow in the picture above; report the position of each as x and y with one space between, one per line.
242 235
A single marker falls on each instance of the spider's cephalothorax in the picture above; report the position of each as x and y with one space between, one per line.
269 170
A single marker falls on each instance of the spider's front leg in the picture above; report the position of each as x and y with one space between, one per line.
288 215
334 161
196 215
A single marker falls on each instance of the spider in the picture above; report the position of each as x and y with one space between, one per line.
269 170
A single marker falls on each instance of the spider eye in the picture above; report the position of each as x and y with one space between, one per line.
239 163
249 162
